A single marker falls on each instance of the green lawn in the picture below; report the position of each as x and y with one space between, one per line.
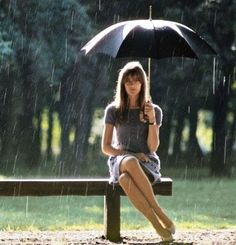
204 203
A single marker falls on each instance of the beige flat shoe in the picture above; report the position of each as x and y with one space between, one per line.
167 239
171 229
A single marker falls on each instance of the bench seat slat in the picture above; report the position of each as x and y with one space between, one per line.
55 187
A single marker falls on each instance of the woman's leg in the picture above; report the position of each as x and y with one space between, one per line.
132 167
140 202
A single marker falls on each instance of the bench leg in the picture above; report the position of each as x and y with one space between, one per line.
112 215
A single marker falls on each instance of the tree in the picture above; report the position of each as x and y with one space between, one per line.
44 38
222 31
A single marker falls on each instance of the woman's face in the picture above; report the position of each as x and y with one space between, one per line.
133 86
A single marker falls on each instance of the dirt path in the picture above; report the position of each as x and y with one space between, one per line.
183 237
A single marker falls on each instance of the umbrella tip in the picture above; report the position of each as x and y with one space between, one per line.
150 12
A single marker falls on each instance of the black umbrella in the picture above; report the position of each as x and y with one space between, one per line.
148 38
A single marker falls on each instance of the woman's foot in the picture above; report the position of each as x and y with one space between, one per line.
167 239
171 229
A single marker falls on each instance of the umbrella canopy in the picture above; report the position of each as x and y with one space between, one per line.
148 38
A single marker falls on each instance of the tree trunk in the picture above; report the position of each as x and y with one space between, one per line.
83 125
165 131
28 144
76 108
49 133
219 164
231 137
65 153
178 135
8 152
194 152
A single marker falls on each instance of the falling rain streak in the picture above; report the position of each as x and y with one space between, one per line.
5 96
66 49
229 85
214 76
52 74
225 149
189 109
99 5
72 20
27 207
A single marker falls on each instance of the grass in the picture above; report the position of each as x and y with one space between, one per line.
204 203
207 203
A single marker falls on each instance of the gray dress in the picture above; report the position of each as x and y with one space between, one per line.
131 136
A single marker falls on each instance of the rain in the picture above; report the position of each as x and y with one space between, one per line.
53 97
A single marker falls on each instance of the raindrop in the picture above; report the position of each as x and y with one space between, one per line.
214 76
62 190
72 20
4 99
66 49
215 18
86 190
182 17
189 108
15 161
99 5
35 102
52 74
224 80
225 147
228 90
27 207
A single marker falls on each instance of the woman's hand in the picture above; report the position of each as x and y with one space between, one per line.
149 112
141 157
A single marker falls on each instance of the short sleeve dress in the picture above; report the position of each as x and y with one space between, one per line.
132 136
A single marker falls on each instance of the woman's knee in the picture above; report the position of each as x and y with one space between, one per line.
124 179
129 164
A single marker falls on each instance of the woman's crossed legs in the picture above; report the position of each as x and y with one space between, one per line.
137 187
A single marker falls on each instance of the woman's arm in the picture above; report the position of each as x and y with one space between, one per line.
153 129
153 137
107 147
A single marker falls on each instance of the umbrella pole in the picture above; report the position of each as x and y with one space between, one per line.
149 59
149 80
149 71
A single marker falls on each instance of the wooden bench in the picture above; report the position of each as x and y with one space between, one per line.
82 187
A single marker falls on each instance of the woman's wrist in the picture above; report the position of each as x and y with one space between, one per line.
152 121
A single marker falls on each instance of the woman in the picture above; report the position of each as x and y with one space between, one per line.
132 161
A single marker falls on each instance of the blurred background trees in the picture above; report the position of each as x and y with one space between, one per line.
52 98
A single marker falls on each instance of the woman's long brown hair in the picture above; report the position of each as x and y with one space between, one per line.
121 101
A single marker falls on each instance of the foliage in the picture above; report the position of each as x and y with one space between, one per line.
50 93
40 41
